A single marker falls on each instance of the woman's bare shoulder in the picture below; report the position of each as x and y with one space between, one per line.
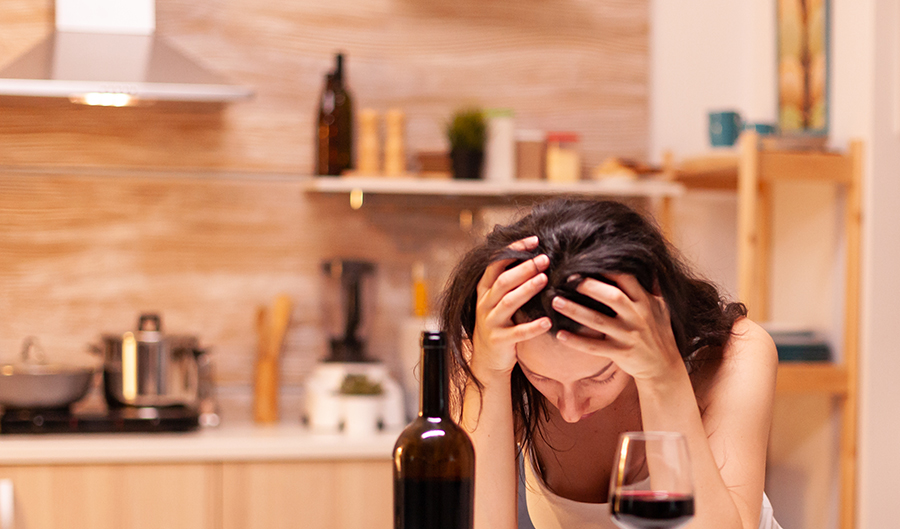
750 347
748 367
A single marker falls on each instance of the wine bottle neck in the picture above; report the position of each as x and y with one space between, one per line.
435 398
339 68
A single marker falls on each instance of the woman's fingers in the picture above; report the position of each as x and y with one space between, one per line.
493 270
528 243
526 331
591 319
527 274
507 306
628 285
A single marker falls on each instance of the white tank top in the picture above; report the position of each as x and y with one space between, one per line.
549 511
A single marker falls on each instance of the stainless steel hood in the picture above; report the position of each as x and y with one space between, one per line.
113 60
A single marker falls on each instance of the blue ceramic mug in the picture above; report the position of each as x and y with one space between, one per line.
724 128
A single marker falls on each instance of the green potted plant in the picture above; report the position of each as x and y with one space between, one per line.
466 132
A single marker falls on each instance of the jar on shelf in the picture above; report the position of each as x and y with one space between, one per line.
500 150
563 157
531 146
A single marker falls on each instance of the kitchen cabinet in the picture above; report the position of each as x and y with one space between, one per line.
308 494
145 496
327 494
752 172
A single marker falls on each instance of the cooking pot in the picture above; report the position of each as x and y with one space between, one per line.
33 384
146 368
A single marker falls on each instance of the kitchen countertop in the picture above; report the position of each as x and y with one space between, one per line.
225 443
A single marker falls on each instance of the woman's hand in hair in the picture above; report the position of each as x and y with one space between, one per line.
638 339
501 293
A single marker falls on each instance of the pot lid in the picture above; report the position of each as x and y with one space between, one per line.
33 362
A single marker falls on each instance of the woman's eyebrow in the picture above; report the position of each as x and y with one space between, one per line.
595 375
598 373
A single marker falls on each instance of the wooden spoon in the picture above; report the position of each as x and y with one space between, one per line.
281 317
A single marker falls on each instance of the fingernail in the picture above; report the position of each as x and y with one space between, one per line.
559 302
562 336
542 260
533 240
545 324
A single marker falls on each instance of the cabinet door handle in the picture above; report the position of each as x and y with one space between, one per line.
7 505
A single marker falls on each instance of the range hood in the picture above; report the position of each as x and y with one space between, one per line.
106 52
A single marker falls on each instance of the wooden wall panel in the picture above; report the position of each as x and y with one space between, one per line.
85 254
562 65
192 211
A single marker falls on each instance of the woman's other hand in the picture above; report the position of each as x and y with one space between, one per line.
638 339
501 293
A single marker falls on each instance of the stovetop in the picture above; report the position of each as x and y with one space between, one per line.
114 420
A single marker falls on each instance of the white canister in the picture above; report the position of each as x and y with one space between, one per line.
361 414
500 151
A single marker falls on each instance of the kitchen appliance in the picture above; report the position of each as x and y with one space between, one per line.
114 420
32 383
106 52
345 310
39 397
146 368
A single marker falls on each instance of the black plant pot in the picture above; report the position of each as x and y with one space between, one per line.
467 163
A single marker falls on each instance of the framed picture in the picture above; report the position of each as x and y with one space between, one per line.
803 67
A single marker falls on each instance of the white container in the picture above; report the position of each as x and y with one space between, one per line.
326 408
500 150
361 414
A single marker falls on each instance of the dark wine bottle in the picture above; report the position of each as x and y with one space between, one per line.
334 133
434 461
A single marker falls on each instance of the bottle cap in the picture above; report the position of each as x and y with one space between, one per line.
433 339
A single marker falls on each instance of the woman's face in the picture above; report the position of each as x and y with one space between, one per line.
577 383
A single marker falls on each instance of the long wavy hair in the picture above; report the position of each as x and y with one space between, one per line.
584 238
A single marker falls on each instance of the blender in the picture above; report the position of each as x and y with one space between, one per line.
347 290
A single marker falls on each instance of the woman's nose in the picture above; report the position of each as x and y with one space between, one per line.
571 406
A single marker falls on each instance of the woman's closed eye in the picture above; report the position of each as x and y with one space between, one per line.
602 379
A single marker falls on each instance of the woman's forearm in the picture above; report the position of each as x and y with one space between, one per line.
488 418
670 405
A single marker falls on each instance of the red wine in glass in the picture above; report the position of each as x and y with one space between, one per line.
652 510
651 485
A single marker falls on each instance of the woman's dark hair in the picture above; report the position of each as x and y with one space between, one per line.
585 238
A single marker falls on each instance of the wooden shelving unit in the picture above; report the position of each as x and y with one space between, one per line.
752 171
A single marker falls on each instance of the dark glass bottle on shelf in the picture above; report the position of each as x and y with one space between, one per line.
434 460
334 133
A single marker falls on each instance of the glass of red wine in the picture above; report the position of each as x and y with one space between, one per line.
651 485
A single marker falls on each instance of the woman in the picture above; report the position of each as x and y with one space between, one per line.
577 323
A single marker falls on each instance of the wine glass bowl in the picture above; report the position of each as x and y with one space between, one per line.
650 484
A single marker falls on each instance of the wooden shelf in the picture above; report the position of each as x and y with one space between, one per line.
751 170
720 170
642 187
812 377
